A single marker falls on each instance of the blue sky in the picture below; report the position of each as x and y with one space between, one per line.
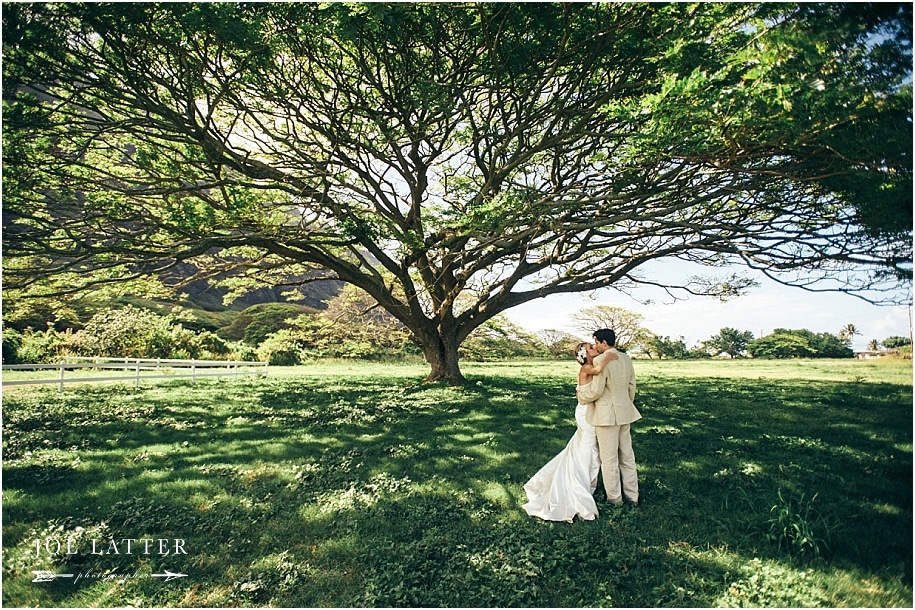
763 309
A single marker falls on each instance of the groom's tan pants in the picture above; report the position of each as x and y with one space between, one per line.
617 460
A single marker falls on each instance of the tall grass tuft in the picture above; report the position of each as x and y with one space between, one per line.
797 528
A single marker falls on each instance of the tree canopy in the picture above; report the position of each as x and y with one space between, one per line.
728 341
454 160
896 341
626 324
803 343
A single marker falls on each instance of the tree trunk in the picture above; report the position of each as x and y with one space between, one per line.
442 356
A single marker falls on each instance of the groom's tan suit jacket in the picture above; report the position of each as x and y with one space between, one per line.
610 394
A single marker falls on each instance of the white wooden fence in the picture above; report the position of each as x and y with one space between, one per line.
162 368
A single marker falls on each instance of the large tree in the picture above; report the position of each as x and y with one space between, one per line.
456 160
627 324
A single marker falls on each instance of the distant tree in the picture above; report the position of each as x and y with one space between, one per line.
627 324
255 323
826 345
848 333
501 339
896 341
644 344
785 343
665 347
558 342
901 345
873 345
780 345
729 341
353 318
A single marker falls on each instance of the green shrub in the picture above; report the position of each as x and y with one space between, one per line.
12 341
282 348
121 332
42 346
131 332
238 350
211 345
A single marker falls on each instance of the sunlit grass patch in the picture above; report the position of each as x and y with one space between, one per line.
309 490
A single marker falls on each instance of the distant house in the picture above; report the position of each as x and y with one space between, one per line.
873 355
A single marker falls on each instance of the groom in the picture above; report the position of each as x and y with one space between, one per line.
610 411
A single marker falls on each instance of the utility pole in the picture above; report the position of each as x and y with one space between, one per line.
910 324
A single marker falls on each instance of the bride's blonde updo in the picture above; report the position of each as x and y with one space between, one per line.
581 352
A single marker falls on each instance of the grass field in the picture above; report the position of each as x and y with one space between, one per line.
764 483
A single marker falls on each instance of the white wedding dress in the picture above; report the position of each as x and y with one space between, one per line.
564 487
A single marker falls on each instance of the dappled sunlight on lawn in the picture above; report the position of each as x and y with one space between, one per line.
381 491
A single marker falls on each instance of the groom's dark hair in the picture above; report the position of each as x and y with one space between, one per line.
606 334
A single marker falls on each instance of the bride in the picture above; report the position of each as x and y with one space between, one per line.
564 487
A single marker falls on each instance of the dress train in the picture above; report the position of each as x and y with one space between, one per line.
564 487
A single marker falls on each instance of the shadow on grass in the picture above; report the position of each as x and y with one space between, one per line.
310 492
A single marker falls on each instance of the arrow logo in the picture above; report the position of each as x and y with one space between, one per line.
169 575
48 576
